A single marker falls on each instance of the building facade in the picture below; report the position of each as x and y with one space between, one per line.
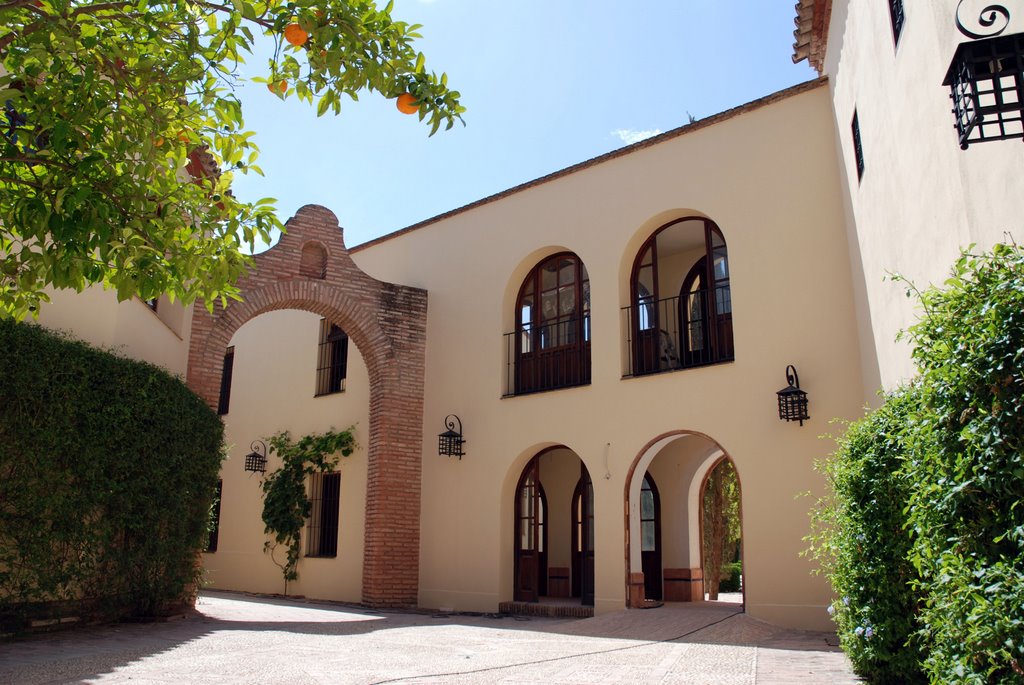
602 337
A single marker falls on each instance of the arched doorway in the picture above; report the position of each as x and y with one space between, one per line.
650 538
310 269
664 493
554 530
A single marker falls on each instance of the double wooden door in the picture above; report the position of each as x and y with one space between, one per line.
531 550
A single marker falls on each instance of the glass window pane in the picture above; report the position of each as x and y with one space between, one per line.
566 271
721 266
549 306
723 300
647 539
646 505
567 300
548 276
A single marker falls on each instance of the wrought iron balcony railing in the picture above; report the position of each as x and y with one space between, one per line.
675 333
549 356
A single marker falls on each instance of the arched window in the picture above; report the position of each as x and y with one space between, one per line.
551 343
681 309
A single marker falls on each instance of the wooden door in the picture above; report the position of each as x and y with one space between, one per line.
528 540
650 538
583 539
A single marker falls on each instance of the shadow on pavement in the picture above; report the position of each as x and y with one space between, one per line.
91 652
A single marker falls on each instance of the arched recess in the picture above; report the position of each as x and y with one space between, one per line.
680 302
387 322
553 529
680 513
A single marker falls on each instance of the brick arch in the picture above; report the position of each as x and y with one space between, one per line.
387 322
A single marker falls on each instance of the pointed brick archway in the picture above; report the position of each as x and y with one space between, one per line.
310 269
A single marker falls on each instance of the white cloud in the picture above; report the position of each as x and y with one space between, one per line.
629 136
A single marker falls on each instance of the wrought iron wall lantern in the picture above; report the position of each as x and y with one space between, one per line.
256 461
986 78
792 400
449 443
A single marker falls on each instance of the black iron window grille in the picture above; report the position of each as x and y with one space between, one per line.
332 359
858 148
322 528
897 17
986 83
224 402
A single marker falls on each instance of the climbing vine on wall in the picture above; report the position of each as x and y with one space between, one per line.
285 503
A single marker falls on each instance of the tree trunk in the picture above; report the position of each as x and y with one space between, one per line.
715 528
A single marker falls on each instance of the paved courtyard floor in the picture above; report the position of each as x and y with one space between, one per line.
234 638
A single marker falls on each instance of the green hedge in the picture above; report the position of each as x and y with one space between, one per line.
967 509
863 545
107 470
924 538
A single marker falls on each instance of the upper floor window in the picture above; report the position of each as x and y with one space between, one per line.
858 148
897 17
550 347
332 359
224 401
681 314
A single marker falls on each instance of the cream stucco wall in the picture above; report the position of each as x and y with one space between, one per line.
921 198
272 390
130 328
768 179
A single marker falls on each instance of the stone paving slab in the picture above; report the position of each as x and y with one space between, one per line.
234 638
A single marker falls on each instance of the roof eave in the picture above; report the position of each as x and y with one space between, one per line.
811 33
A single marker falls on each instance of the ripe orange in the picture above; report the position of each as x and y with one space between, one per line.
279 87
407 104
296 35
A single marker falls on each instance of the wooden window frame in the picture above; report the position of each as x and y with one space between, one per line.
540 364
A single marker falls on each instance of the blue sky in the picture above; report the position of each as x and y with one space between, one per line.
546 84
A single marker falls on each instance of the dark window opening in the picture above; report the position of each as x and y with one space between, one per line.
211 543
858 148
332 359
322 530
897 17
225 382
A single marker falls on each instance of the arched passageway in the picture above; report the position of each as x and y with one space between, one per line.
310 269
664 520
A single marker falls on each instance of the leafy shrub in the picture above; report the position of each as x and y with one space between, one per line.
862 545
107 470
731 577
966 508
